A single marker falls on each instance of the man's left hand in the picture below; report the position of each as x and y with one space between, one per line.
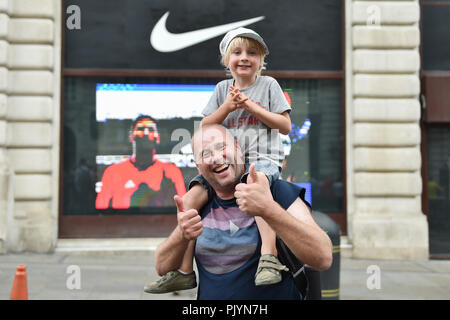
254 197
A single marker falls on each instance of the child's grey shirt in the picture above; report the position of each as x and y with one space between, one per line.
257 140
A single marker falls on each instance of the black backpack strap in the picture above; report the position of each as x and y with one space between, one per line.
296 267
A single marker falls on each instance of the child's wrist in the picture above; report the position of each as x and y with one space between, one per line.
228 107
251 106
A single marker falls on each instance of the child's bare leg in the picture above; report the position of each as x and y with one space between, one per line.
268 237
195 198
187 265
269 266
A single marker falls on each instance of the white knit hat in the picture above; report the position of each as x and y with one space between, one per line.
240 32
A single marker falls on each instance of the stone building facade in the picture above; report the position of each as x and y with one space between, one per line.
383 132
383 157
30 49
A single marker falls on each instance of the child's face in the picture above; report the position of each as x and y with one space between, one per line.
244 61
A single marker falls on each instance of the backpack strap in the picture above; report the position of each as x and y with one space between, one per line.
296 267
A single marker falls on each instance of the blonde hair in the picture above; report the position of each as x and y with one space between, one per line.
248 42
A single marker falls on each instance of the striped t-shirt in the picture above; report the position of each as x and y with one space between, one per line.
228 250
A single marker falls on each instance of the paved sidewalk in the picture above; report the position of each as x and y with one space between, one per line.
122 275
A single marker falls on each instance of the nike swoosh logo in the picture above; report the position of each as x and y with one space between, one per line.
164 41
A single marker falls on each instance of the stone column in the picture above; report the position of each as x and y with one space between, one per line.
4 167
30 127
383 112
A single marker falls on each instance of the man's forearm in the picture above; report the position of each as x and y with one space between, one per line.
305 239
169 253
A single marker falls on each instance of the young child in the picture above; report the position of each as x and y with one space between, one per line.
254 108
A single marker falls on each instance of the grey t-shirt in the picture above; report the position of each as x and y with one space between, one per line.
258 141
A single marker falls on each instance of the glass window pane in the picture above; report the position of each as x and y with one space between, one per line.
438 144
317 141
95 137
436 38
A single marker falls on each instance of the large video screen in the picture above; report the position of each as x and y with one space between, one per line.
156 161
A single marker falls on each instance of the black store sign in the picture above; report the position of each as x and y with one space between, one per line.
116 34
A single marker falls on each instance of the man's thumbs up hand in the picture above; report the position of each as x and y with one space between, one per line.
189 221
252 197
252 175
179 203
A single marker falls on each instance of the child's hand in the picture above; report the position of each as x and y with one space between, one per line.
233 100
239 97
241 100
230 102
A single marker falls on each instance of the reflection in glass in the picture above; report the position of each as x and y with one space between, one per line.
95 139
315 154
438 143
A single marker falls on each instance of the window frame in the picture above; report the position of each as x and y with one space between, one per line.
123 226
430 118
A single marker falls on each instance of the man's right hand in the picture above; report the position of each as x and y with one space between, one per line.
189 221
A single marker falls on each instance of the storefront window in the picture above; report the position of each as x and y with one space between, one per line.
99 127
436 123
119 64
438 185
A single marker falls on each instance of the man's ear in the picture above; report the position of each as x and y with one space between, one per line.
239 154
197 164
198 169
237 146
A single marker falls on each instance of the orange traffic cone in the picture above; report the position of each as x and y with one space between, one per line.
19 289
